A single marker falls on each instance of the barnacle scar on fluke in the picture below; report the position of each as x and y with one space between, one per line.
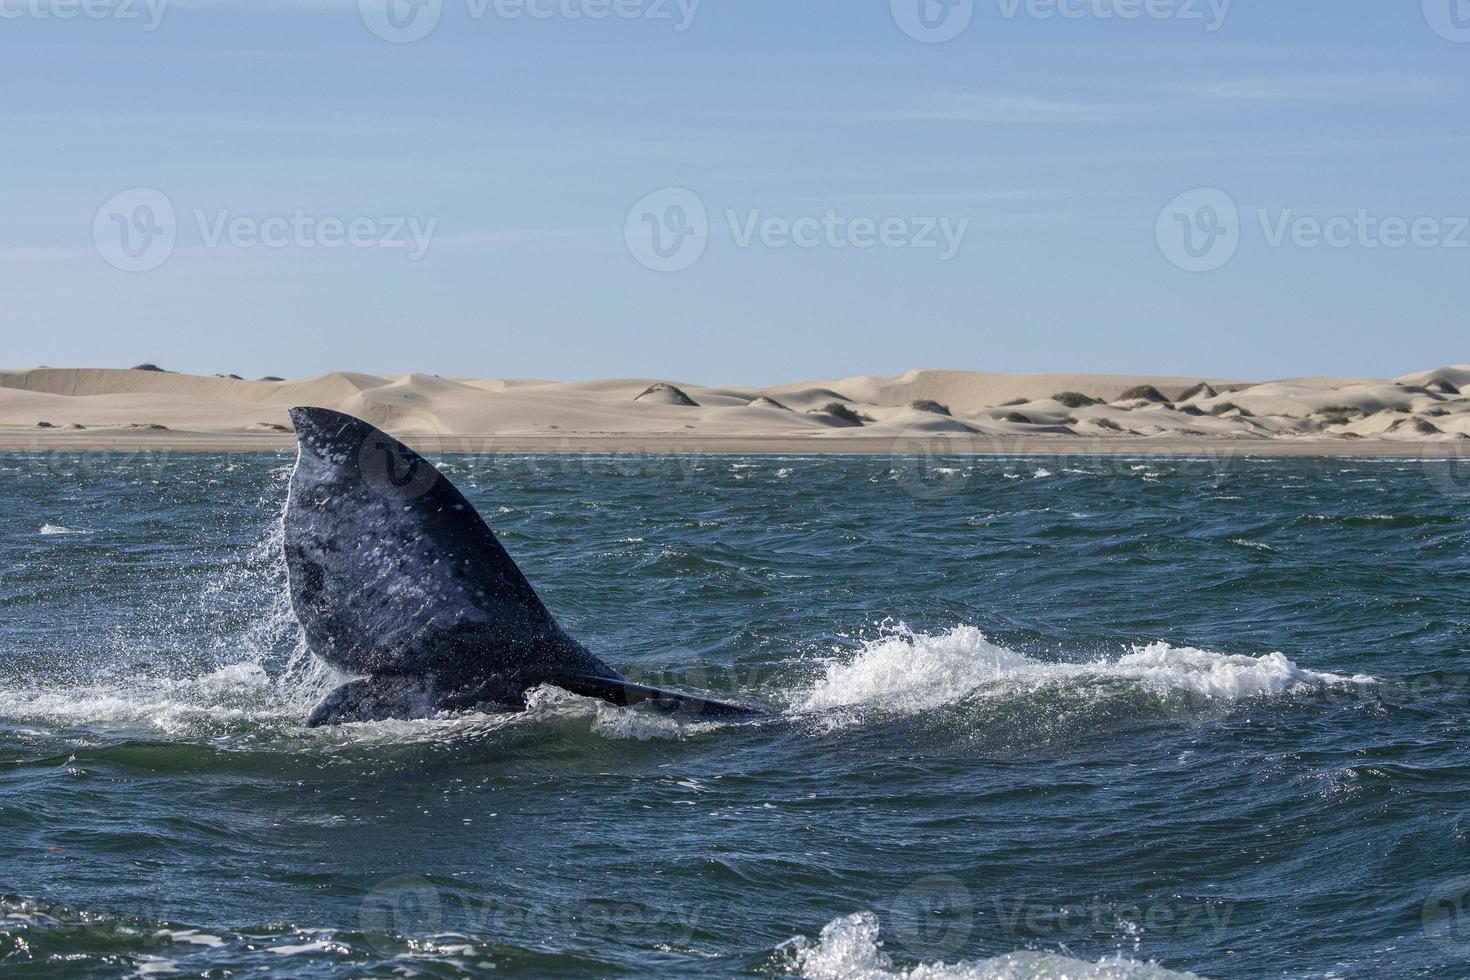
397 580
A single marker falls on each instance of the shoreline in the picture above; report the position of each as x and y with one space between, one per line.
174 441
918 413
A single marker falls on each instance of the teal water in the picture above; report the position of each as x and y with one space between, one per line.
1051 717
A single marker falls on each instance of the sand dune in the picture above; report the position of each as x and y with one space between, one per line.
46 407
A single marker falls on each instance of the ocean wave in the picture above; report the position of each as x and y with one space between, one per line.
59 529
849 949
548 709
220 699
39 933
243 698
903 672
549 703
898 673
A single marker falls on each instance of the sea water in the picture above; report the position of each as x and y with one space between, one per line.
1064 717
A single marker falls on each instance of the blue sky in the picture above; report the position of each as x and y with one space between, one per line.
1067 150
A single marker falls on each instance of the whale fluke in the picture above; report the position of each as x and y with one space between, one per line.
398 581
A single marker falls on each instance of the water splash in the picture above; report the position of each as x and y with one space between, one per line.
49 529
850 949
903 672
249 666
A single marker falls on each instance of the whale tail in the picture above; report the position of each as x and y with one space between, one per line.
398 581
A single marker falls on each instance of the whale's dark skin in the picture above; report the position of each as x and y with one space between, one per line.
397 580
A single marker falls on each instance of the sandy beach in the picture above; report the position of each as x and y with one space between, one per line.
921 411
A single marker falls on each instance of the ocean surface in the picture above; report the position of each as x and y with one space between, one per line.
1035 717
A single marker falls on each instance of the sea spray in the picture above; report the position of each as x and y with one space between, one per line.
849 948
902 672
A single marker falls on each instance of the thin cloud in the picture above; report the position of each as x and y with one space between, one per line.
982 107
1321 87
1139 103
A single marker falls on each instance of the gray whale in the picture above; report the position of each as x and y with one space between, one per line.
398 581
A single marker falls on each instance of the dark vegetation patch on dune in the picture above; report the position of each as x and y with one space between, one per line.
1075 399
843 413
1146 393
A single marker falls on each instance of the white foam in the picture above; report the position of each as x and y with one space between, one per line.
192 937
410 731
547 707
905 672
899 672
58 529
295 949
235 693
553 705
849 949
